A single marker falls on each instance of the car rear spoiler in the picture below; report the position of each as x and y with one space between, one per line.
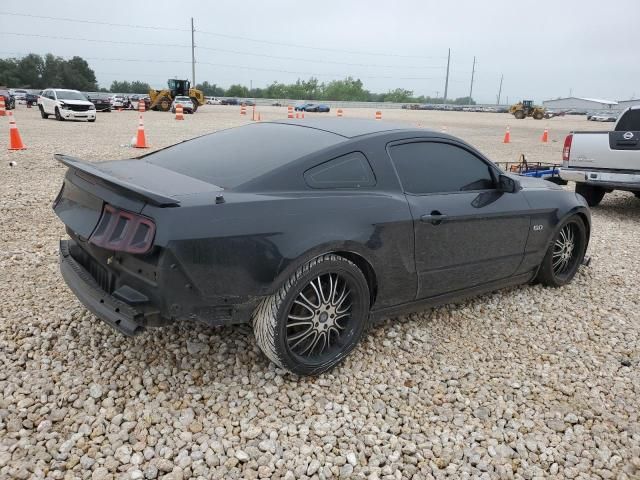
88 168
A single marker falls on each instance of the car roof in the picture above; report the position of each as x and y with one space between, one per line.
347 127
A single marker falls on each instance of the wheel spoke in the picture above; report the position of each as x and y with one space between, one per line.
299 324
311 344
340 317
333 288
317 292
323 300
297 317
300 337
343 310
310 305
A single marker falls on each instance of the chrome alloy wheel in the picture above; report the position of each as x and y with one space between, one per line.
564 249
318 321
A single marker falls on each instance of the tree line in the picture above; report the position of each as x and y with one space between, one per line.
38 72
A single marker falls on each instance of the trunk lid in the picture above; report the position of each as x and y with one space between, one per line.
125 184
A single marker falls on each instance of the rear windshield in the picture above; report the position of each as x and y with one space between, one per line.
232 157
630 121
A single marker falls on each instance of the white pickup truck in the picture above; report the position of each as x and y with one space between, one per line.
600 162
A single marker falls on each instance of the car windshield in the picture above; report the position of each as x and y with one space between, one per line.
232 157
69 95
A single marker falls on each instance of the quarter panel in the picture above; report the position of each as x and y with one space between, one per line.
249 245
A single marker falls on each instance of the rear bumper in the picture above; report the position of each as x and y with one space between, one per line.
612 180
109 309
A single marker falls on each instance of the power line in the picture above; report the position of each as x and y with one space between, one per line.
217 34
93 22
95 40
236 52
277 70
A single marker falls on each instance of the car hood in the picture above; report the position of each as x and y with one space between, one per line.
76 102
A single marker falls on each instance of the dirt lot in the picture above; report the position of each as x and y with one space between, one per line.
524 383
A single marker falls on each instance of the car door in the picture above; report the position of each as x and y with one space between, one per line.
467 232
51 102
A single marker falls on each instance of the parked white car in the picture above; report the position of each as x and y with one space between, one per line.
66 105
117 101
213 101
186 102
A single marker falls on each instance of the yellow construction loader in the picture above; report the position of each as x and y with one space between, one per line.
162 99
526 108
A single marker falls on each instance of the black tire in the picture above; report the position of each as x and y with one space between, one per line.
272 319
554 274
91 120
519 114
593 195
538 116
194 100
637 194
164 104
42 114
58 116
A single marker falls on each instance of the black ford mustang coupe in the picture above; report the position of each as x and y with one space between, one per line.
309 230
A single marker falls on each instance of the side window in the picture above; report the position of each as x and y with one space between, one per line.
348 171
630 121
432 167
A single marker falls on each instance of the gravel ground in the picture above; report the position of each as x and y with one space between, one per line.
524 383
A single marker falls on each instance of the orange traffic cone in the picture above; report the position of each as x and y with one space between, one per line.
243 109
297 115
2 107
378 115
289 111
141 140
15 142
301 114
253 113
339 112
259 119
545 136
179 112
444 129
507 136
141 107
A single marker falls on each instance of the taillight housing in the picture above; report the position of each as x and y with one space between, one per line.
123 231
566 151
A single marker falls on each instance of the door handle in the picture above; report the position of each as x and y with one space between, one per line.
434 218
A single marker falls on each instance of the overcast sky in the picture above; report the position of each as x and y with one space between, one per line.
545 49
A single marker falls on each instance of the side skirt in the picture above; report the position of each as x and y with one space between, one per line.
453 297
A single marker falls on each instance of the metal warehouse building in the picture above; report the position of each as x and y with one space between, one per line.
580 103
622 104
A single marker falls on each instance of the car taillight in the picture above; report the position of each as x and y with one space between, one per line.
566 151
123 231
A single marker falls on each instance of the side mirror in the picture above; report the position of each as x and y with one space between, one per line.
507 184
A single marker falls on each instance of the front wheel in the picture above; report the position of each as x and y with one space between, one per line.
593 195
519 114
316 318
91 120
42 114
565 254
58 116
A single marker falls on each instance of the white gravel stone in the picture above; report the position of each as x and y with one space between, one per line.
522 383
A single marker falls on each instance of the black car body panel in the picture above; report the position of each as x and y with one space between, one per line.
230 235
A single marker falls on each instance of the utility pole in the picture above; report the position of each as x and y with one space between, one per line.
500 89
446 82
193 55
473 71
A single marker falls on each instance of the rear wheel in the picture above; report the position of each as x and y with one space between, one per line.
519 114
593 195
42 114
538 116
58 116
316 318
565 253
